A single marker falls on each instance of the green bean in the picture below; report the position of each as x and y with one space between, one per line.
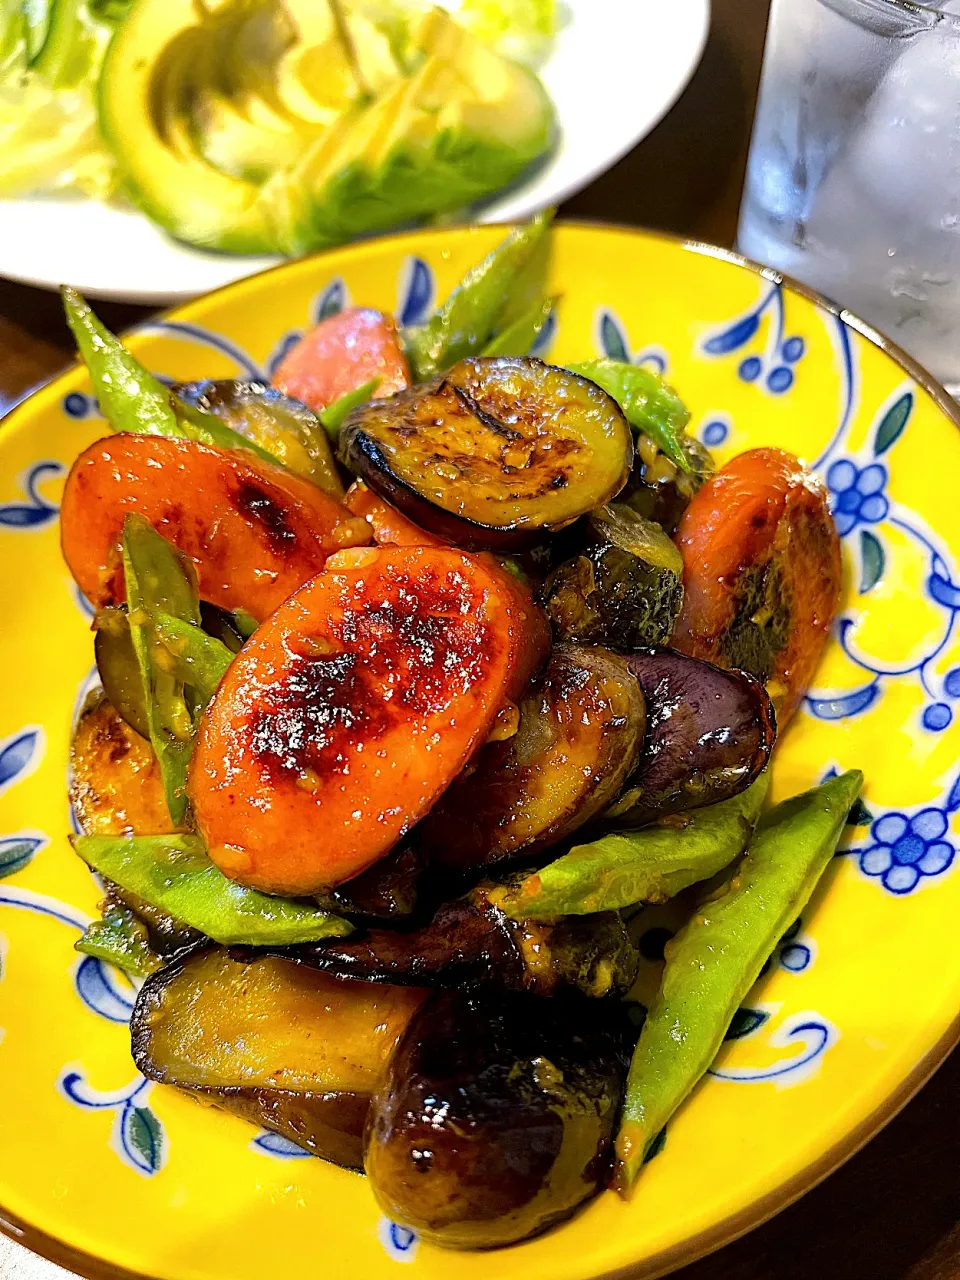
174 874
649 404
717 956
649 865
158 579
518 338
334 415
122 940
491 296
196 659
131 398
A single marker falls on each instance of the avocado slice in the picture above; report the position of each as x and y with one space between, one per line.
141 118
234 130
244 126
465 124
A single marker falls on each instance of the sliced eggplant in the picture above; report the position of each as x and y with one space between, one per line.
658 489
387 891
284 427
623 589
115 783
471 942
496 1117
579 738
496 455
296 1051
709 734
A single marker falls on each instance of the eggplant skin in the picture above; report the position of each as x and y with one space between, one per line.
472 942
496 1117
495 455
710 733
579 738
625 587
297 1052
386 891
327 1124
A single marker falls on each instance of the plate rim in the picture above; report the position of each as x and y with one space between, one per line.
759 1211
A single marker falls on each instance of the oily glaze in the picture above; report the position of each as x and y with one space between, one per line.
376 680
495 454
761 573
471 942
709 733
253 531
495 1118
294 1050
580 734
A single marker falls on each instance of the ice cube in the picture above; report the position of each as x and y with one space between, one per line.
906 154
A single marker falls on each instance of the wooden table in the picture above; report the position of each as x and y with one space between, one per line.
893 1212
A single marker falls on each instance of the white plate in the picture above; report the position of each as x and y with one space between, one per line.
615 70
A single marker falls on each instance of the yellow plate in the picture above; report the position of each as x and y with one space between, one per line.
858 1005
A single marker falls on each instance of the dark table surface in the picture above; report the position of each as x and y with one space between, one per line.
892 1212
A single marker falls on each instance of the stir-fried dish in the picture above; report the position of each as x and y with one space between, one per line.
423 671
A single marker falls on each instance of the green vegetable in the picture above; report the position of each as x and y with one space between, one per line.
518 338
196 659
174 874
470 317
131 398
119 669
457 123
12 33
36 19
122 940
519 29
158 579
625 587
246 623
73 45
649 865
716 958
334 415
648 404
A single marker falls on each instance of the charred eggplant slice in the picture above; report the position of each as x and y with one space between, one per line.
115 783
496 1116
387 891
710 733
296 1051
283 426
472 942
495 455
579 738
624 589
658 489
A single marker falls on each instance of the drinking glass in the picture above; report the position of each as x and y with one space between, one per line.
853 184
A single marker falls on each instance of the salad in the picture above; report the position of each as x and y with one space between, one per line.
273 126
424 671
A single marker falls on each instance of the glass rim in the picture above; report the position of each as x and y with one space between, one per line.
925 16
